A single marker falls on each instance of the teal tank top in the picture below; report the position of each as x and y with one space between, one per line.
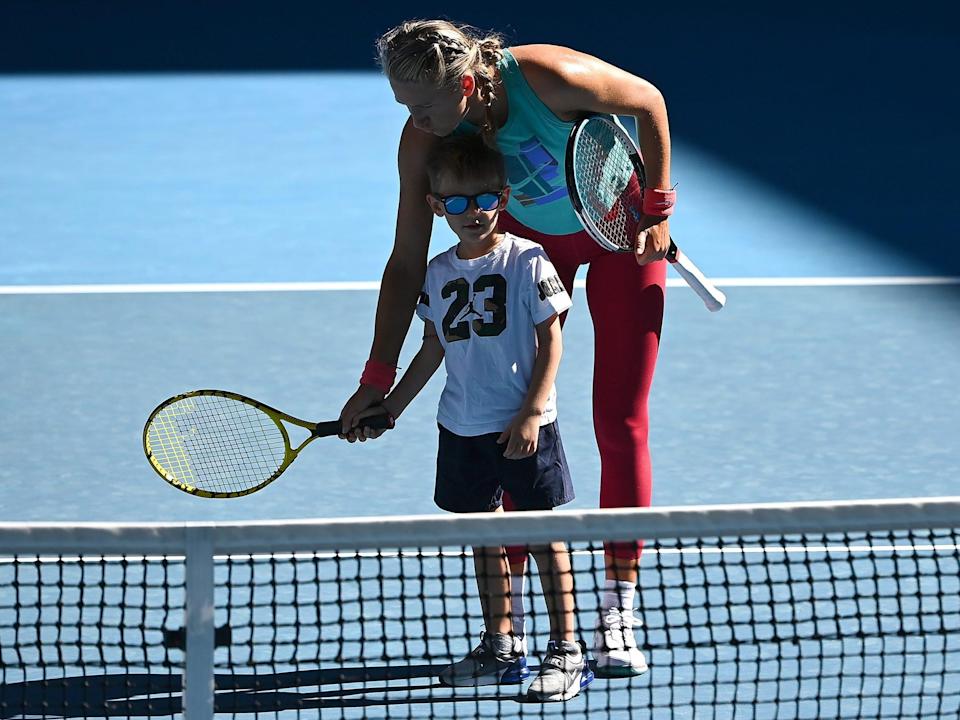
533 142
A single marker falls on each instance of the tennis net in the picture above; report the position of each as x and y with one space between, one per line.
817 610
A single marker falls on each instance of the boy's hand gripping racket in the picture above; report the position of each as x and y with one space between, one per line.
218 444
605 178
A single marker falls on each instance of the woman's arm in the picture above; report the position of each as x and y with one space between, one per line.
403 275
404 272
572 83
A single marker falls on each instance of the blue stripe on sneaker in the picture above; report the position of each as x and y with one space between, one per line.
516 672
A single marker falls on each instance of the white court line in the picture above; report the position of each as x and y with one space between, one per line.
185 288
104 289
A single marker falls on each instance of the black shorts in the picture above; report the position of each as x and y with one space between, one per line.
473 474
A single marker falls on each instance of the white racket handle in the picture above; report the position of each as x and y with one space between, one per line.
713 298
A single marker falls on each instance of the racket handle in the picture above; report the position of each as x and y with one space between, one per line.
712 297
374 422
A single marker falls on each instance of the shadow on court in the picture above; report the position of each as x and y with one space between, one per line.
844 106
126 694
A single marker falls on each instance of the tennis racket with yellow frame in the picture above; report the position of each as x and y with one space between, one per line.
218 444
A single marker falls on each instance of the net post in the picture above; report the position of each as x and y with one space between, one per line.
198 676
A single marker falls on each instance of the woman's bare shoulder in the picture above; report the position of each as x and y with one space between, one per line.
553 63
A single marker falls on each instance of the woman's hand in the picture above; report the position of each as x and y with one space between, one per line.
364 398
653 242
364 433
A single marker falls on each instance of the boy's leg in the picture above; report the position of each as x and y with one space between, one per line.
499 659
556 578
466 482
493 583
564 670
543 482
567 253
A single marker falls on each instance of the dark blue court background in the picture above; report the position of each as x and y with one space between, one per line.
850 107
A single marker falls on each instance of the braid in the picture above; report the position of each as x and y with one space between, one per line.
441 52
437 50
490 53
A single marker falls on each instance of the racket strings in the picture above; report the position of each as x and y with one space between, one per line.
608 184
216 444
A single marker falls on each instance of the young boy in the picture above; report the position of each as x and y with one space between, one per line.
490 307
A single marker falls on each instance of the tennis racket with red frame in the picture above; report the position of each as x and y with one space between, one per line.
605 178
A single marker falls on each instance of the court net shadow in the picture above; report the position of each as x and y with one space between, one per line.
155 694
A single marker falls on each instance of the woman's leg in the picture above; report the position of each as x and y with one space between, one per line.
626 303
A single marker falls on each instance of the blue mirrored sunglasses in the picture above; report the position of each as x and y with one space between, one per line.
458 204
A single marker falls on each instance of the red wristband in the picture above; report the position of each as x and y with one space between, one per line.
658 202
378 375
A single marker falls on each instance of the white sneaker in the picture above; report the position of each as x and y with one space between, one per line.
564 672
615 646
499 659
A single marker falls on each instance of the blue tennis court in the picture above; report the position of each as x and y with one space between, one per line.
166 233
803 388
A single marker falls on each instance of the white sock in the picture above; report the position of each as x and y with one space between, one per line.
618 594
516 602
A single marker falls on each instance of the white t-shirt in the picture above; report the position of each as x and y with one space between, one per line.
485 311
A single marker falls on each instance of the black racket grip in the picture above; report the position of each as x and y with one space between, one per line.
671 255
374 422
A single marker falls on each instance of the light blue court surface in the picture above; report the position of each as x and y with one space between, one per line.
796 391
789 393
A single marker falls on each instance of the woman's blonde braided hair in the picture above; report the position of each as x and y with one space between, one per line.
440 52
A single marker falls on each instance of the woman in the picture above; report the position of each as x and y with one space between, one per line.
524 100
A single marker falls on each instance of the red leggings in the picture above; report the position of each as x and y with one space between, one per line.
626 304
